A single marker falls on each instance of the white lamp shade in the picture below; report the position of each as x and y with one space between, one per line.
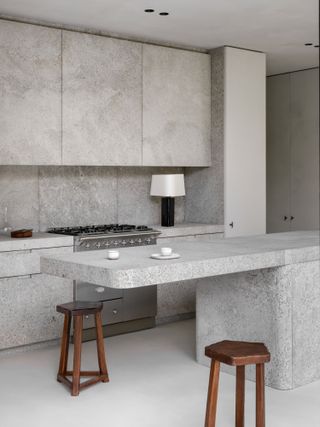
167 185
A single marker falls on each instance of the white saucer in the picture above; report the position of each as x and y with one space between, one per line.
159 256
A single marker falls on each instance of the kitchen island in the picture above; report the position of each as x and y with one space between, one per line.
260 288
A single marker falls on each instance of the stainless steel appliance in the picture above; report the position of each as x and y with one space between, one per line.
123 310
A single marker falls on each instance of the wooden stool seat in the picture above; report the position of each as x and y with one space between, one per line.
77 310
80 308
239 354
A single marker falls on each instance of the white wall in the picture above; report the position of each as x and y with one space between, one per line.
245 142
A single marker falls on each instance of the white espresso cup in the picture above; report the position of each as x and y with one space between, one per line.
166 251
113 254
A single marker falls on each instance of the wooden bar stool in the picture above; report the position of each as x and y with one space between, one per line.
77 310
239 354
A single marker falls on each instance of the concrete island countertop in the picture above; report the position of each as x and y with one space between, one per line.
198 260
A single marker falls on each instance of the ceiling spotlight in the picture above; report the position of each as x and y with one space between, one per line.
149 10
163 13
308 44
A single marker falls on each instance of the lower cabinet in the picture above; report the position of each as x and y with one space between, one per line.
28 309
179 299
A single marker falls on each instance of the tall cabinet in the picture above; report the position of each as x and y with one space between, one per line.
244 142
293 151
233 190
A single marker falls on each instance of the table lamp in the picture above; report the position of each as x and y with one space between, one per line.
167 187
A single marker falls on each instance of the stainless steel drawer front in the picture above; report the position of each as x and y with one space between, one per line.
112 312
85 291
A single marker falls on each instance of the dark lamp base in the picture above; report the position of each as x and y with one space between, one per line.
167 212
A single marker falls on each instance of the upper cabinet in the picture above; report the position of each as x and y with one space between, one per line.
102 100
72 98
30 94
176 107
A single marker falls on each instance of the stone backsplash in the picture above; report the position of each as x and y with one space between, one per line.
52 196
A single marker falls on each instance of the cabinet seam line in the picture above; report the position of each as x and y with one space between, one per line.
61 90
141 146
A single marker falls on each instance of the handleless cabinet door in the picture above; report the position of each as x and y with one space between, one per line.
30 94
244 142
278 153
305 150
102 100
28 309
176 107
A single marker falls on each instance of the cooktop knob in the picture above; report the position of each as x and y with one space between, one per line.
124 242
106 244
98 245
87 245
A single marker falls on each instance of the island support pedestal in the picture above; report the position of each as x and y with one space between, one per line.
278 306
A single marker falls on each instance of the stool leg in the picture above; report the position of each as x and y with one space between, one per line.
240 396
78 321
260 398
100 349
212 394
64 347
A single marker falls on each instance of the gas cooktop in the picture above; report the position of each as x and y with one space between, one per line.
105 229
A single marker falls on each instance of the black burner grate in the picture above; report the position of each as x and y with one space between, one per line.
99 229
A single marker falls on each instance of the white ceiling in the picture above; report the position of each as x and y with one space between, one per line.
278 27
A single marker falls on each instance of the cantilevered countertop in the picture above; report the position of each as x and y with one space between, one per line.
202 259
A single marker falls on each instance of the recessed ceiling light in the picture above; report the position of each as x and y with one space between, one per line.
308 44
149 10
164 13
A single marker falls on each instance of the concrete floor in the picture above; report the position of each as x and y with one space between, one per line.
155 382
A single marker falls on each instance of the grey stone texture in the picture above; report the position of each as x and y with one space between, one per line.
178 299
28 298
81 195
176 107
43 197
189 229
205 186
30 93
199 259
37 241
73 98
135 205
102 100
28 309
20 263
274 297
175 299
19 193
276 306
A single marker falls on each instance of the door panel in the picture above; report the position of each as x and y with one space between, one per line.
305 150
102 100
176 107
30 93
245 142
278 153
